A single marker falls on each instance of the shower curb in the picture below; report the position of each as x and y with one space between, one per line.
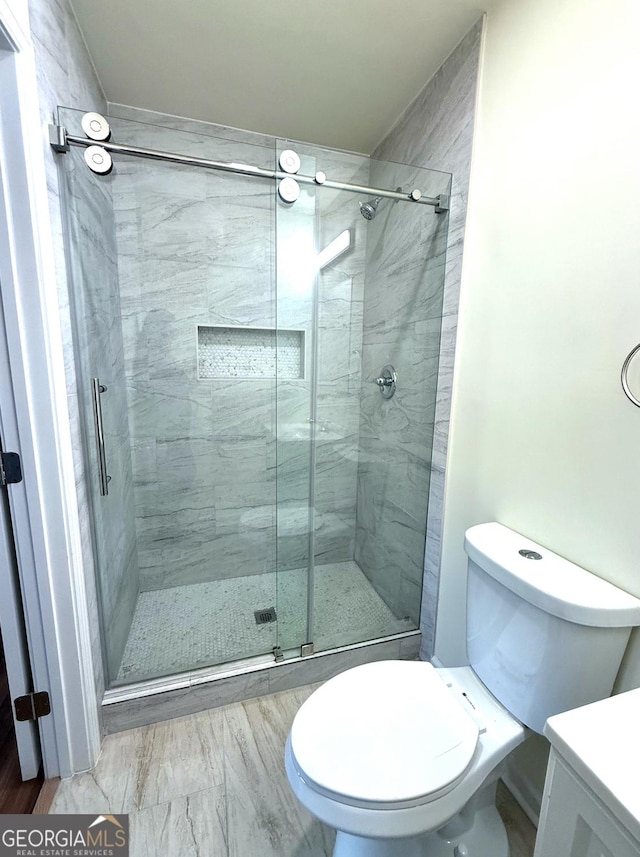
198 693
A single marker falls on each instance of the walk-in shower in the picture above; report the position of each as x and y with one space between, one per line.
253 494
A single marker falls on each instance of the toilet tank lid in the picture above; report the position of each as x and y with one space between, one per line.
553 584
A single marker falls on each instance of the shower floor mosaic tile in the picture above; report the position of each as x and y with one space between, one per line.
189 627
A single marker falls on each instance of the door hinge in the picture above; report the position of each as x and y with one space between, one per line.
32 706
10 468
278 653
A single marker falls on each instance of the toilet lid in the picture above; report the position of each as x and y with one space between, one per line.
388 731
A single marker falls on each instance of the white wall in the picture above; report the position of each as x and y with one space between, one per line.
543 439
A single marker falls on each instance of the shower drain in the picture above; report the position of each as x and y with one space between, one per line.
268 614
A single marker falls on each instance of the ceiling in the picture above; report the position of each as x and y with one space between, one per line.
331 72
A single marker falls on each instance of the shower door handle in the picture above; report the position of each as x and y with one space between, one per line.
97 389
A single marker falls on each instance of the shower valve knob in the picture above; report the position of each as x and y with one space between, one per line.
387 381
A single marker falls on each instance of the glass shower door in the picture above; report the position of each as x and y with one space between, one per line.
264 497
175 313
294 446
360 281
320 278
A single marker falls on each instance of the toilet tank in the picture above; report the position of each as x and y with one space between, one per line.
543 634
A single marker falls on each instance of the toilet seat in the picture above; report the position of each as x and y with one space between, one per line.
388 733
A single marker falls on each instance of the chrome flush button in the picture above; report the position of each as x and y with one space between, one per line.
527 554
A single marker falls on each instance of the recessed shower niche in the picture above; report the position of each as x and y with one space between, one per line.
272 473
250 352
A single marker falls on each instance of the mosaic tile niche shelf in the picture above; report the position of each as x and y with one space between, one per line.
250 352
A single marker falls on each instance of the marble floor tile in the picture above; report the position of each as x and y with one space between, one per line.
520 831
191 826
214 785
148 766
257 788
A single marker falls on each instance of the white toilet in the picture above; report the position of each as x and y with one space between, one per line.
402 759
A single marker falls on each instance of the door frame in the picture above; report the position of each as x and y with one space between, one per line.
36 423
12 625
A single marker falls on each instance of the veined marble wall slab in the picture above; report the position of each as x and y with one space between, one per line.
99 353
66 77
436 131
338 342
402 310
199 248
195 248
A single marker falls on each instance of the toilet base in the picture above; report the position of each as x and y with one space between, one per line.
477 831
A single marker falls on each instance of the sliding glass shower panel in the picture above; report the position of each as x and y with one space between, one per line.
257 381
174 293
295 277
92 259
402 321
363 277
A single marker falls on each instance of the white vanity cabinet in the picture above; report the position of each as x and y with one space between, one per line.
591 802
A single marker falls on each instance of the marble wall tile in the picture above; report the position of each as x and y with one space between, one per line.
436 131
402 312
164 121
144 711
225 556
334 541
336 473
240 296
100 353
410 648
341 298
198 249
66 77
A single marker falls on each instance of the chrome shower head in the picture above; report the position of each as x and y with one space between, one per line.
369 209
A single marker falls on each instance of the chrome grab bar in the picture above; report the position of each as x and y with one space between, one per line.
624 379
97 389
